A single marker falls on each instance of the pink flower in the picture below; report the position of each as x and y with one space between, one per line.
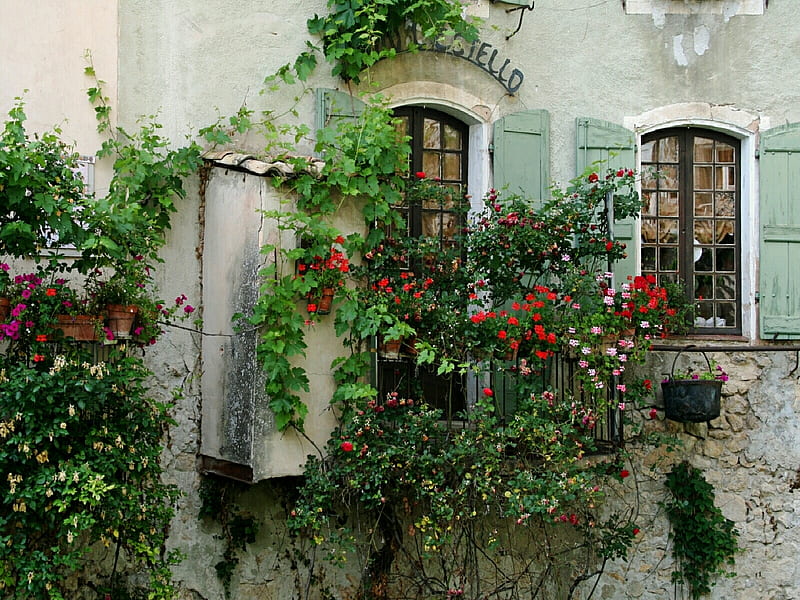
653 413
188 309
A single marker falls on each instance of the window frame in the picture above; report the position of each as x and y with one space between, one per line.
743 238
403 368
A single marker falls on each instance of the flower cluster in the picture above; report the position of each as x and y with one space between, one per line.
326 271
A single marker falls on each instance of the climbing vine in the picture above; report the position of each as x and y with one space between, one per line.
80 432
704 541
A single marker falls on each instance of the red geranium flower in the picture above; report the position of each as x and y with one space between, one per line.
346 446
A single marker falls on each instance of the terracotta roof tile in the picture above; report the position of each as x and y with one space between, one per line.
264 168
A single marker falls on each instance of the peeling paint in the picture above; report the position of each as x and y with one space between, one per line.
659 18
702 37
677 50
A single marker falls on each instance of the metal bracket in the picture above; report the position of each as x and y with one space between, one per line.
522 8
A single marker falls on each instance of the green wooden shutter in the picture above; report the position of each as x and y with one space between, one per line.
522 154
334 106
616 147
779 212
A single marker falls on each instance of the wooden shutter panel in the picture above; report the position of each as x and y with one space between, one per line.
522 154
615 145
334 106
779 211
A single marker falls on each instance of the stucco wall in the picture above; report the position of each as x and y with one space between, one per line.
190 61
42 49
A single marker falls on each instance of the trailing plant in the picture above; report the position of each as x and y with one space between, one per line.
81 437
356 35
238 528
704 541
80 447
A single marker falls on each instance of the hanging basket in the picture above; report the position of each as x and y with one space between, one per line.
691 400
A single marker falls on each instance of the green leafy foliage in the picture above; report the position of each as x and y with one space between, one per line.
40 192
80 446
704 540
357 34
80 435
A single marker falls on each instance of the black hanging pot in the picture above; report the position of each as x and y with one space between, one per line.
691 400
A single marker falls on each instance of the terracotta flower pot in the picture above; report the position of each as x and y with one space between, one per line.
120 319
5 308
81 328
322 304
389 349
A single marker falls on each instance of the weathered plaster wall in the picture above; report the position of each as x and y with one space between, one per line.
581 58
42 47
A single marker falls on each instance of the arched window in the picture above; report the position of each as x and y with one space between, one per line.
439 148
690 230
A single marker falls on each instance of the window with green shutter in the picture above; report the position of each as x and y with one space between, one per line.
615 147
522 154
779 248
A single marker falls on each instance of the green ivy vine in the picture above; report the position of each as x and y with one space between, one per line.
704 540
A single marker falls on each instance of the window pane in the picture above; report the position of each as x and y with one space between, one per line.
703 178
702 204
726 287
667 259
452 138
431 224
668 204
401 125
703 259
725 204
431 164
449 226
726 231
704 286
703 231
668 178
726 312
452 167
668 231
726 259
649 178
649 203
649 227
725 153
432 137
703 150
668 149
726 178
648 259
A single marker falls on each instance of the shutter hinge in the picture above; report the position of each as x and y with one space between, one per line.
491 148
758 296
758 154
